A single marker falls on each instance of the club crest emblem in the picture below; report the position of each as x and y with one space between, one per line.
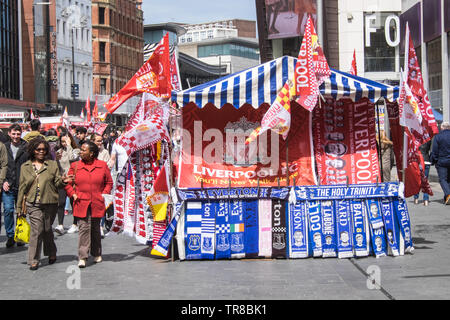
279 241
207 244
222 242
194 242
237 243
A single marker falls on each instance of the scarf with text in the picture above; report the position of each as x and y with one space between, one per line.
329 246
237 227
265 228
360 231
344 228
392 230
315 227
251 229
208 230
402 216
193 230
279 229
223 230
298 231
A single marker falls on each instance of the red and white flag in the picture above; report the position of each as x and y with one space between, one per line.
409 112
87 106
65 119
353 69
175 71
82 114
32 115
153 77
158 199
311 69
95 111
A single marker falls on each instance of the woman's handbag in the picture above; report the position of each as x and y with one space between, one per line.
22 233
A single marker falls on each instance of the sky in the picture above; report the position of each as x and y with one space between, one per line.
197 11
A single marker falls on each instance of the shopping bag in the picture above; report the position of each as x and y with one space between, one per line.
22 233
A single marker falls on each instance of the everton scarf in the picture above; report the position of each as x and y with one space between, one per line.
251 229
237 225
402 215
208 229
278 228
343 228
265 228
298 230
378 241
390 227
180 207
223 230
315 227
374 213
360 232
329 247
193 231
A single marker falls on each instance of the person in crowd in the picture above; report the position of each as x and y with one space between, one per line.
35 125
119 157
81 133
386 146
38 199
91 178
103 154
3 169
51 136
3 137
26 130
425 150
440 156
65 155
17 154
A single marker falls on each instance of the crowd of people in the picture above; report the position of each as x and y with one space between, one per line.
55 173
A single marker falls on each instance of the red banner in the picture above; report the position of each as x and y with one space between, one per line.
214 150
345 144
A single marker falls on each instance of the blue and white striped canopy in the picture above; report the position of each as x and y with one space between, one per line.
262 83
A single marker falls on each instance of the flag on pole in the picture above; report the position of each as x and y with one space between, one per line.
278 117
353 69
87 106
32 115
153 77
311 68
82 114
65 118
409 112
158 199
95 111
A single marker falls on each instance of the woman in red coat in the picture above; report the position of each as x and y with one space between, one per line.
90 179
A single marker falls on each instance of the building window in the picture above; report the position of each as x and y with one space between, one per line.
102 86
101 15
102 50
435 72
210 34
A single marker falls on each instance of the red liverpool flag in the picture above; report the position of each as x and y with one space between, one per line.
153 77
87 106
95 112
311 69
354 70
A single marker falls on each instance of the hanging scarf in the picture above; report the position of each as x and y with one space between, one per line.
119 201
298 230
315 227
193 231
402 215
360 232
390 227
344 229
130 200
223 230
374 213
329 245
180 230
208 229
265 228
378 241
278 228
251 229
237 229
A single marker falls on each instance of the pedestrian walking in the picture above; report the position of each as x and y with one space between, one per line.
16 150
37 198
440 156
386 154
3 169
425 150
91 178
35 125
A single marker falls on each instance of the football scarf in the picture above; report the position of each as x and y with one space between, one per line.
119 201
237 225
357 213
278 228
180 230
390 227
223 230
402 216
141 216
130 200
298 230
343 228
378 241
234 193
265 228
193 230
208 230
374 213
315 227
329 246
251 229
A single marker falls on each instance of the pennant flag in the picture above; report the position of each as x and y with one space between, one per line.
175 71
87 106
158 199
95 111
311 69
278 117
353 69
152 77
65 119
32 115
82 114
409 112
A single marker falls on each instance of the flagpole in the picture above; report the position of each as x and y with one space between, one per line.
379 144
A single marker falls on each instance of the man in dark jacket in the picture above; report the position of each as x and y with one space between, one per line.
17 155
440 156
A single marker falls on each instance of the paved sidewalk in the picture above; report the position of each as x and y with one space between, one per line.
128 271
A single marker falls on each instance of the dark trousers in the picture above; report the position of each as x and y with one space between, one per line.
443 173
89 237
61 205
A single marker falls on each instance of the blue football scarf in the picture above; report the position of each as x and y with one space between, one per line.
315 227
237 224
360 232
378 241
223 230
208 229
298 230
265 228
344 228
402 215
251 229
193 231
329 246
374 213
278 228
251 193
390 227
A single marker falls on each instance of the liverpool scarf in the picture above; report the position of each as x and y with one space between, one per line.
360 232
237 225
390 227
329 247
298 230
193 230
343 228
278 228
208 229
315 227
374 213
223 230
130 200
251 229
265 228
119 201
402 216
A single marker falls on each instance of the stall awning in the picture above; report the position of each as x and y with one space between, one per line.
261 84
